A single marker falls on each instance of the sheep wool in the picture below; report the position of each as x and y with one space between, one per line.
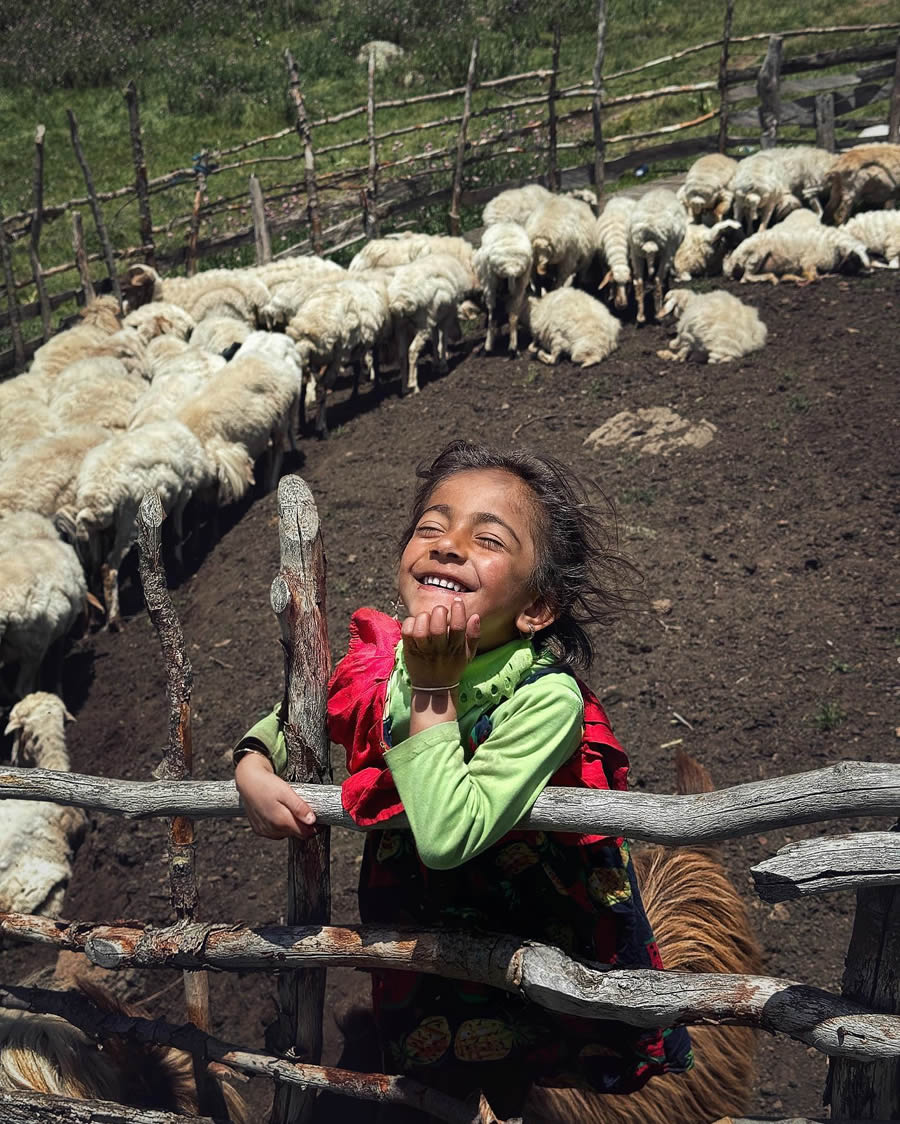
706 192
704 247
712 327
562 238
761 191
503 267
879 232
799 249
657 229
515 204
611 239
40 477
571 322
863 178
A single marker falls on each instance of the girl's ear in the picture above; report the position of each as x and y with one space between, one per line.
534 617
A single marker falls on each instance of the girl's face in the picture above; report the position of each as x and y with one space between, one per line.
474 540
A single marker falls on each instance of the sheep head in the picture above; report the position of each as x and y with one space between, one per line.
675 301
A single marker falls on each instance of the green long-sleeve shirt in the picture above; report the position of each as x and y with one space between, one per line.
459 803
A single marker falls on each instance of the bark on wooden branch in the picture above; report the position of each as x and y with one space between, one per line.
894 119
37 222
194 231
10 282
81 259
95 207
544 974
42 1108
370 197
825 122
723 76
309 162
821 866
461 139
850 788
369 1086
260 226
769 98
148 248
552 160
597 99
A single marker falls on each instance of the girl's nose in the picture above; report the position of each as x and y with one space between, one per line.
449 545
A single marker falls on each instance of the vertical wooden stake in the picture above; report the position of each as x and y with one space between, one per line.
309 162
894 119
870 1090
298 600
148 249
723 77
825 122
37 222
15 323
461 140
370 215
768 88
81 257
553 165
190 266
597 101
95 207
260 226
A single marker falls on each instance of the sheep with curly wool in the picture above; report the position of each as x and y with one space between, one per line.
286 271
219 334
401 249
160 318
863 178
706 193
23 420
762 191
704 248
38 840
42 594
879 232
97 390
562 240
174 381
503 268
611 239
99 320
807 169
571 322
798 249
515 204
712 327
657 229
217 292
40 476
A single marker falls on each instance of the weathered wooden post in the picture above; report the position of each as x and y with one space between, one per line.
825 122
81 256
148 248
298 600
190 265
309 160
37 222
260 227
15 324
461 140
597 100
370 216
767 87
553 156
894 120
723 76
95 207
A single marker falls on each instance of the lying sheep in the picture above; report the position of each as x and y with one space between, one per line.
706 193
798 249
562 238
863 178
503 266
515 204
704 248
879 232
569 321
657 229
712 327
611 239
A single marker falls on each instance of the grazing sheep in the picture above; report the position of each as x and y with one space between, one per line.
706 192
712 327
160 318
174 381
704 248
40 476
401 249
503 262
218 334
611 238
217 292
568 321
42 594
798 250
274 274
127 345
879 232
562 238
862 179
23 420
807 169
99 320
657 229
515 204
38 839
96 391
762 191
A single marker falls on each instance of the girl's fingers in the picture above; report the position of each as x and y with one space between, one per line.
457 623
438 624
473 632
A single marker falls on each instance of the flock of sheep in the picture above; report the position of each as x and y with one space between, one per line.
205 376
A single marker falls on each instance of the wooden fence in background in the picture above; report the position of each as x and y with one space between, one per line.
544 125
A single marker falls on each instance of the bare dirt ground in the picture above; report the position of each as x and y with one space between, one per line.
775 543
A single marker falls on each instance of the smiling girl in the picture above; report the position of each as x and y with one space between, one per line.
460 717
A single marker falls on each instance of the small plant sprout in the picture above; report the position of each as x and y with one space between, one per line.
829 716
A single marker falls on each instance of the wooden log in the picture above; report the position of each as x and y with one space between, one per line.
370 198
821 866
81 258
10 282
44 1108
597 100
820 60
552 155
803 111
848 789
105 243
767 88
723 76
260 226
461 139
148 249
872 977
37 222
825 122
298 600
894 118
194 231
543 974
309 161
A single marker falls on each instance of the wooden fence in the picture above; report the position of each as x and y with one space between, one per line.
346 203
860 1025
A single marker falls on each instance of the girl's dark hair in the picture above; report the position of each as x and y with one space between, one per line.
578 572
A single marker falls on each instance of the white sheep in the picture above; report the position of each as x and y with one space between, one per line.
217 292
864 177
798 249
706 192
42 593
274 274
515 204
40 477
160 318
879 232
23 420
657 229
704 247
569 321
611 239
38 839
219 334
562 238
174 381
503 262
401 249
807 169
712 327
96 391
99 320
761 191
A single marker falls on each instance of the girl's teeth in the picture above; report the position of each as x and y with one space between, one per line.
444 584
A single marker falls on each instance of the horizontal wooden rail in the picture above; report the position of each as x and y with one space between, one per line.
822 866
542 973
850 788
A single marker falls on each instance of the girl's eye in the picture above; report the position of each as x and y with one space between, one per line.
429 529
490 543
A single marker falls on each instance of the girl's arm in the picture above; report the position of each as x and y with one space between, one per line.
273 808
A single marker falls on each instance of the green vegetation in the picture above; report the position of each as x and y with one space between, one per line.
829 716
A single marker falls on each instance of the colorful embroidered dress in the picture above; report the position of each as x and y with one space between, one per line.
574 891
